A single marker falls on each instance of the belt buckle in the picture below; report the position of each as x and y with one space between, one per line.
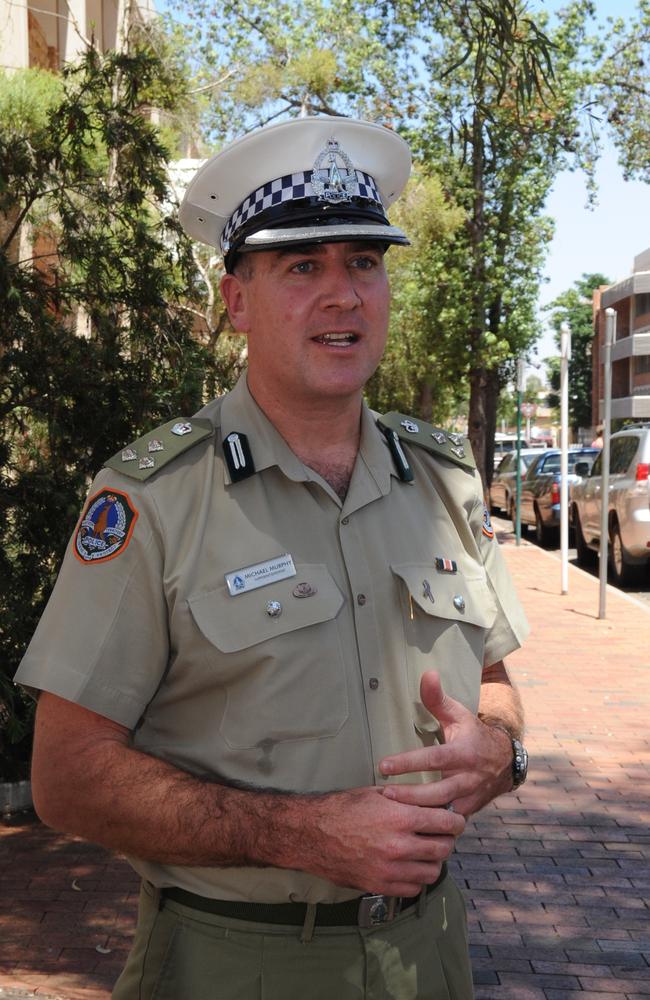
376 910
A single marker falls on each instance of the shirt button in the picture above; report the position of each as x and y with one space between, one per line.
373 683
345 520
361 599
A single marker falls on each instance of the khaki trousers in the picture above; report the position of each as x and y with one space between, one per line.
183 954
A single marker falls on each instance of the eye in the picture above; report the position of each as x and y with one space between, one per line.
303 266
364 262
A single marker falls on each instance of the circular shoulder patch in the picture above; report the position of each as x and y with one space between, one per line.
106 526
488 530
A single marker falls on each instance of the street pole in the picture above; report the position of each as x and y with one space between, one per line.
565 357
521 367
610 337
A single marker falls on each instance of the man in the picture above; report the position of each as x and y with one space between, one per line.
240 666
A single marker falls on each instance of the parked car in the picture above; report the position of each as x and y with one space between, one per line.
503 444
628 509
540 490
504 483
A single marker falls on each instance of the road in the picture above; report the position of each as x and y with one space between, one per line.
640 591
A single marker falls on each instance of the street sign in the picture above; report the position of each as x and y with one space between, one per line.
529 409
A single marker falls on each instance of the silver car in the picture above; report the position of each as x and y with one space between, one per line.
628 514
504 483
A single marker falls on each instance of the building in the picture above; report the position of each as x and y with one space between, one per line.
49 33
630 298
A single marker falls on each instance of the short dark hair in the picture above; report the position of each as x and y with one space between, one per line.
243 266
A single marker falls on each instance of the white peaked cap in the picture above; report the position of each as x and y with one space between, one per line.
318 179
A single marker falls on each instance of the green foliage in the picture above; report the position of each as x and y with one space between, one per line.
575 308
424 297
96 340
622 88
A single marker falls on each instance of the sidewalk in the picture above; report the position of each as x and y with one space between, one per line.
556 876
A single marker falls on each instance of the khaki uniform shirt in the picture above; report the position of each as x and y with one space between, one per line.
307 700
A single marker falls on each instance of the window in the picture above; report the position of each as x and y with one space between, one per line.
642 303
641 364
622 452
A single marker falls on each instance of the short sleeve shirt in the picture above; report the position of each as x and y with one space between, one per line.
302 684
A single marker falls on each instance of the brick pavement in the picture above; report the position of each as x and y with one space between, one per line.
556 877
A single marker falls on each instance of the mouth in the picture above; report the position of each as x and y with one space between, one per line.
336 339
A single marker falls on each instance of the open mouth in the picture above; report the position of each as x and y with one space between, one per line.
336 339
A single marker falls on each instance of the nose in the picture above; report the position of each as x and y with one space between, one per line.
339 288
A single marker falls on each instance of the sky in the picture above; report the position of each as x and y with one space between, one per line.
606 238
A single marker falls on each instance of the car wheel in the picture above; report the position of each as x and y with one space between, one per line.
584 554
544 536
622 571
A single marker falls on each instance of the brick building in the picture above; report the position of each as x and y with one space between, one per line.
631 350
49 33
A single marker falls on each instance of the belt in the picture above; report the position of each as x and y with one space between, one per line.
365 911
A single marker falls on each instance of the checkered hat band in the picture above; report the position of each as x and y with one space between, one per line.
288 188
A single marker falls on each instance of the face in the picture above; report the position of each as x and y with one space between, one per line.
316 318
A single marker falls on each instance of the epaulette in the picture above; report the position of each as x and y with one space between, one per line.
153 451
454 447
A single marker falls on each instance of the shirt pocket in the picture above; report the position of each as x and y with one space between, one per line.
283 675
446 617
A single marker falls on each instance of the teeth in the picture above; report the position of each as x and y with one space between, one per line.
333 338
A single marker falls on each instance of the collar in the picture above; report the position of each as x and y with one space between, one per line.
240 413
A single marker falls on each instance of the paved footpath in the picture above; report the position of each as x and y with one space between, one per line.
557 876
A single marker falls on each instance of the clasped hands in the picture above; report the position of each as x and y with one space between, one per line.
474 759
394 839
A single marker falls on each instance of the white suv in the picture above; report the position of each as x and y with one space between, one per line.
628 516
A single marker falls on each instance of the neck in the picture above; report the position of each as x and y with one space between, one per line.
324 435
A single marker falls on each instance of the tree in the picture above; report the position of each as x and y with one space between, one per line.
498 155
96 340
575 308
622 89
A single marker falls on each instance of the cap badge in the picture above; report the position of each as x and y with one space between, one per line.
410 426
304 590
334 178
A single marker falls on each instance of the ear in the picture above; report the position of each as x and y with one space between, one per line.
233 293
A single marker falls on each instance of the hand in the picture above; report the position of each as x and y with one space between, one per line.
361 839
475 760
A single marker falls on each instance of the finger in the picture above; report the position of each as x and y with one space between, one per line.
442 757
438 822
433 794
444 708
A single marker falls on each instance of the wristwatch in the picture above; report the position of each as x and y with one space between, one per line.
519 763
519 758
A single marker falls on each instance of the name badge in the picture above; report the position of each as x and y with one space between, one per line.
252 577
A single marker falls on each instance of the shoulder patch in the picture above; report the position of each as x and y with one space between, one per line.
153 451
105 527
487 527
454 447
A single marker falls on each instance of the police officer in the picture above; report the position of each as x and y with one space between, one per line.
271 670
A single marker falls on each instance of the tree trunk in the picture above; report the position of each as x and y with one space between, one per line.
425 403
